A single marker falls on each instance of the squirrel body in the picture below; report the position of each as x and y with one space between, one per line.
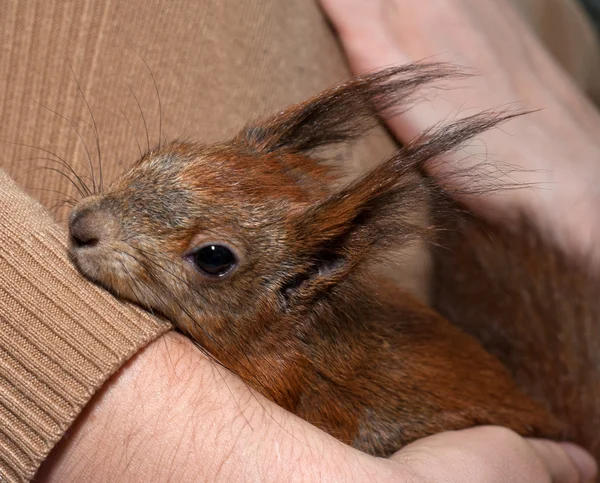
250 248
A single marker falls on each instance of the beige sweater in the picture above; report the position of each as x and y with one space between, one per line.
60 336
216 67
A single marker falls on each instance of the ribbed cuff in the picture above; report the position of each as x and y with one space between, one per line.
60 336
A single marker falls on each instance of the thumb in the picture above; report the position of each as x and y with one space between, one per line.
489 454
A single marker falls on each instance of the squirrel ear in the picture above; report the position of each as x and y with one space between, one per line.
377 211
343 113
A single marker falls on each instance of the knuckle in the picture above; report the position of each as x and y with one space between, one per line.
504 436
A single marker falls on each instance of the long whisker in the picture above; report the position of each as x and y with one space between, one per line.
247 378
59 204
95 126
72 199
85 146
189 315
157 96
174 275
65 175
44 158
142 114
135 138
190 287
83 187
133 284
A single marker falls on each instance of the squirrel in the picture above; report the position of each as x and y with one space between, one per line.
254 250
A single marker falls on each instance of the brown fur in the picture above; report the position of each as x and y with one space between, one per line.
303 319
532 307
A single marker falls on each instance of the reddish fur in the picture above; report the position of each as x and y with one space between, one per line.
304 320
534 308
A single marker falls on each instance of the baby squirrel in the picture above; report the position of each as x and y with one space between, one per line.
251 249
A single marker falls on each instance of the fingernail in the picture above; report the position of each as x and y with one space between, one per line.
583 460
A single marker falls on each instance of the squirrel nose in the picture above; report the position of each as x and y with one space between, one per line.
86 228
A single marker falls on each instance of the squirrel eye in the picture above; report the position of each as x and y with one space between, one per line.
214 260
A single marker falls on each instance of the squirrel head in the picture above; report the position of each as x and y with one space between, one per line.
255 228
254 249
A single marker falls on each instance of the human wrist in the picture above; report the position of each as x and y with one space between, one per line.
172 413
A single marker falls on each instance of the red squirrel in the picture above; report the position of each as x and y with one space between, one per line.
253 249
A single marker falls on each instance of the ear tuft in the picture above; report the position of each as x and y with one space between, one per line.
345 112
385 208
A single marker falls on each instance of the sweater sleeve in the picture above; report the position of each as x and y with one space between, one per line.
61 337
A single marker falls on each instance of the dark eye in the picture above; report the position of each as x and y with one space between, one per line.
214 260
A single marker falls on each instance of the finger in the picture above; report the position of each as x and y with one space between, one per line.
565 461
492 454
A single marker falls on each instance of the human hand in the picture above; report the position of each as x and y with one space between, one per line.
173 415
556 149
